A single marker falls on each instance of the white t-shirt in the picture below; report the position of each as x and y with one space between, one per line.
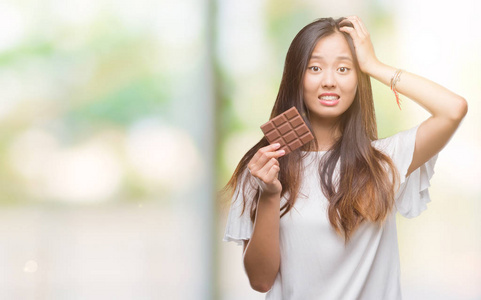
315 263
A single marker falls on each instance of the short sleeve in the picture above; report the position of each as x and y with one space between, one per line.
239 225
412 195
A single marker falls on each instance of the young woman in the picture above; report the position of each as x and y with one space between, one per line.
319 223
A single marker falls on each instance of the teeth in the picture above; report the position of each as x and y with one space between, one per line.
329 98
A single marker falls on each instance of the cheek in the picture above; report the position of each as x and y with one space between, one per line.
350 86
310 84
354 90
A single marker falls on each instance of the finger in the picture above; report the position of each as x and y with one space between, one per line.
268 148
269 151
345 22
265 169
362 26
265 174
265 158
271 147
272 174
351 31
357 26
263 155
355 23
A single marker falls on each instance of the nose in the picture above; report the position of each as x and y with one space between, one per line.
328 79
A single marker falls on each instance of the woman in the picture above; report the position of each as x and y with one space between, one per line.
319 223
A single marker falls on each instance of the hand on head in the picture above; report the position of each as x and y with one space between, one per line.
366 57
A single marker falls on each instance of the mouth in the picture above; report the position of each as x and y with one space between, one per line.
329 99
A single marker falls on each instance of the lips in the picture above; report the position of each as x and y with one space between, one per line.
329 99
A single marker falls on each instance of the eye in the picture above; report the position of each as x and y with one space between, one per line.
315 68
343 69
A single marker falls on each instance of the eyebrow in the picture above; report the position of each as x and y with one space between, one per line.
338 58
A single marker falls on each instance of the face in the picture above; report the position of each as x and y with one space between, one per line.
330 81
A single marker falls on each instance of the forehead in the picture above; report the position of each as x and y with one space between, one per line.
332 46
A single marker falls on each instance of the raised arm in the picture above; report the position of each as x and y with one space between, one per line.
446 108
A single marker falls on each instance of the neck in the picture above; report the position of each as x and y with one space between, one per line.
326 131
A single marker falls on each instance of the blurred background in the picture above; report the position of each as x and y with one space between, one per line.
121 120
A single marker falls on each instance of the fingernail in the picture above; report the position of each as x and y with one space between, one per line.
282 152
277 145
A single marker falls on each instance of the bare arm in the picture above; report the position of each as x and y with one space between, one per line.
261 252
446 108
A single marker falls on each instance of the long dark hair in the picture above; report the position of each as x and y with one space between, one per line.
364 189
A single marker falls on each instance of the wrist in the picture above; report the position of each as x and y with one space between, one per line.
381 72
267 196
371 67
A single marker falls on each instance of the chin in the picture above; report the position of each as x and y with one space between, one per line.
331 112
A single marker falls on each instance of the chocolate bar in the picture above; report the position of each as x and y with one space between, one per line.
287 129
